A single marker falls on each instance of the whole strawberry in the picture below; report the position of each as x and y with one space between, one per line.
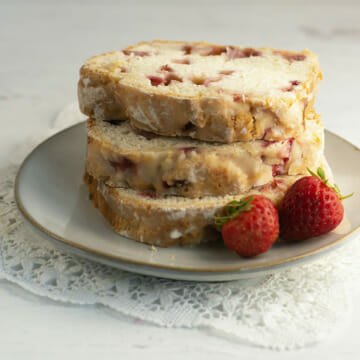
310 208
250 226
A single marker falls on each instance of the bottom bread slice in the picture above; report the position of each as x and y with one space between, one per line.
166 221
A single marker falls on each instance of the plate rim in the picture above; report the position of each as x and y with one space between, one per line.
241 268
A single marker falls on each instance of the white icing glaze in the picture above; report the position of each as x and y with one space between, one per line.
86 81
164 164
175 234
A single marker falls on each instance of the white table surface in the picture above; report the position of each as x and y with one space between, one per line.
42 47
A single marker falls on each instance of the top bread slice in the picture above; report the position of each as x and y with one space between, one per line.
205 91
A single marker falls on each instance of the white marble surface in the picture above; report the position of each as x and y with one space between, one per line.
42 47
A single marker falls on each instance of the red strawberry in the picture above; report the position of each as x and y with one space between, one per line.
250 226
310 208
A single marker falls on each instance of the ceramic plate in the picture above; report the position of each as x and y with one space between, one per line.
52 198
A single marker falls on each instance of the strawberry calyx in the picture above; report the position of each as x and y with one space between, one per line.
233 209
320 173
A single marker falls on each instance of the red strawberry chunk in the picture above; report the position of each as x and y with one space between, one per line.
293 83
149 194
187 49
155 80
208 81
298 57
188 149
278 169
136 53
290 55
236 53
239 97
285 151
123 164
181 61
171 77
215 50
166 67
270 186
267 143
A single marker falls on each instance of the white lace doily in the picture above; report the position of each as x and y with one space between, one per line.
289 309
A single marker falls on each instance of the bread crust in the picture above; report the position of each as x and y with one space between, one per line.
217 118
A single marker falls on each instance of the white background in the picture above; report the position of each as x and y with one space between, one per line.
42 46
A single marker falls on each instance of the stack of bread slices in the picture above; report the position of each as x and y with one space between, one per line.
177 130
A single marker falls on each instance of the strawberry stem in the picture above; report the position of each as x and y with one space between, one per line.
320 173
346 196
233 209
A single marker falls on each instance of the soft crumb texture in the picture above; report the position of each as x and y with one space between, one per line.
123 156
209 92
201 69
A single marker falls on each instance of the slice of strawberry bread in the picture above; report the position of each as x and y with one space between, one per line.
205 91
123 156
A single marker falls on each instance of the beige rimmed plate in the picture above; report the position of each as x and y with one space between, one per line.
52 198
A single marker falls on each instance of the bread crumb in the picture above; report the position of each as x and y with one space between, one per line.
152 248
172 257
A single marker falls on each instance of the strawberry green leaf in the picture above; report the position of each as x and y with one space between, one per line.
336 189
232 210
346 196
311 172
320 173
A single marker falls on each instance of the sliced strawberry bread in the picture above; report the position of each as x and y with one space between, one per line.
208 92
123 156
